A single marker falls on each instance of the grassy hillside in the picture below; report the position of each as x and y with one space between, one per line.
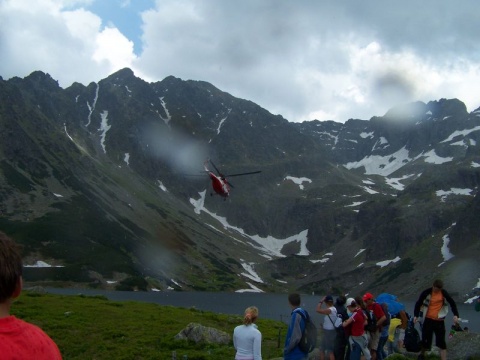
97 328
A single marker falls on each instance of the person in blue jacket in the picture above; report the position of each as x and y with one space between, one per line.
295 330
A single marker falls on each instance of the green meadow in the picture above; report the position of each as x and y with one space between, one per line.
93 327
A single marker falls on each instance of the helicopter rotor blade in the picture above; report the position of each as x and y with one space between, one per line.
216 169
246 173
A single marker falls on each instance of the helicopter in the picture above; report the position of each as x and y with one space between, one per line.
220 184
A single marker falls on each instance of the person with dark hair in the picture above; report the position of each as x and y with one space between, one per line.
355 326
434 302
328 326
295 330
18 339
341 339
247 339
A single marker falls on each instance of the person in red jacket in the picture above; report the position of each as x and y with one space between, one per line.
377 310
18 339
355 327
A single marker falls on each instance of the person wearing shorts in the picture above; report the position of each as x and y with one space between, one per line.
329 332
434 301
377 310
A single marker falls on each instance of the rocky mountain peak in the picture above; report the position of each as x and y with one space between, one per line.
108 181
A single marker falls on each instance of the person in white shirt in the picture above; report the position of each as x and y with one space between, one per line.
329 332
247 339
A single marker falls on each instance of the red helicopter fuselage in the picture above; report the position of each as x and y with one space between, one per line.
219 186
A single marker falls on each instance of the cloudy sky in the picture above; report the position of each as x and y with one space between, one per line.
303 59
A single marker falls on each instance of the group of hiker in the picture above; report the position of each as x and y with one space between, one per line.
352 327
368 326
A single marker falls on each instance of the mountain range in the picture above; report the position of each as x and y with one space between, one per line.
104 185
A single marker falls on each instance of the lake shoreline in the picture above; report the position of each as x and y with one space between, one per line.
272 306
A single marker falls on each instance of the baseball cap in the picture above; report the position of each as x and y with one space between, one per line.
367 296
350 302
328 298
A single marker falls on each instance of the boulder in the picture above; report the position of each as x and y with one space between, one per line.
203 334
464 345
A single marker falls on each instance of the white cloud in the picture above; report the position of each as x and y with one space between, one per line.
325 60
69 44
113 49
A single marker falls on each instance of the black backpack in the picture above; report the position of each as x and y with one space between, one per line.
342 315
371 321
309 337
412 341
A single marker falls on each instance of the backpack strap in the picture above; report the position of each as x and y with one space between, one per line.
305 316
328 315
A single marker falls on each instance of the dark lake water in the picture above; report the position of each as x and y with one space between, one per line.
271 306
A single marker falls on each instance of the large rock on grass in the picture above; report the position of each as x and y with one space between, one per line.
203 334
463 346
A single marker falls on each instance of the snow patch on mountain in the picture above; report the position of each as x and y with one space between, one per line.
433 158
381 165
270 246
298 181
460 133
356 203
453 191
381 143
395 182
91 108
250 272
323 260
447 255
388 164
42 264
388 262
220 124
104 127
359 252
253 288
161 186
169 117
365 135
368 190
